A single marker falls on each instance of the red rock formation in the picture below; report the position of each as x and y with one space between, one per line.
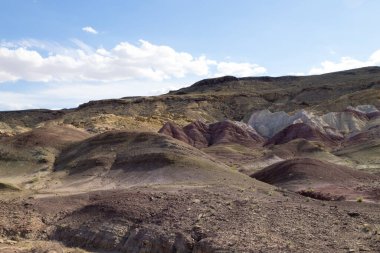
304 131
200 135
198 132
229 132
171 129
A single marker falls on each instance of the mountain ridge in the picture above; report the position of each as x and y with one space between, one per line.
233 98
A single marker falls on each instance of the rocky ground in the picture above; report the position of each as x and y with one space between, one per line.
191 219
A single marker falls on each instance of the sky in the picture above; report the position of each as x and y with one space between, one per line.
58 54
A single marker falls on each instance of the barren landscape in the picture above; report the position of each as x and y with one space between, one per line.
253 164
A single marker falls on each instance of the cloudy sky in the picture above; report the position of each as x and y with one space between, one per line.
58 54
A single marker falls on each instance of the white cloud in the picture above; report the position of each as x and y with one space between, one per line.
68 95
17 101
346 63
238 69
125 61
89 29
83 46
6 77
60 76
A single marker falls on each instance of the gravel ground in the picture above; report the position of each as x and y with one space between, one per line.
193 219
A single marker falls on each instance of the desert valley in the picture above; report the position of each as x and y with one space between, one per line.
253 164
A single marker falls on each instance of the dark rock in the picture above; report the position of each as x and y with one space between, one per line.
353 214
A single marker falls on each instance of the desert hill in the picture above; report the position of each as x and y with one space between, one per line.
120 159
326 179
26 159
253 164
212 100
199 134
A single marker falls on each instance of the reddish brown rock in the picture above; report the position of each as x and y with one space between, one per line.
198 132
171 129
230 132
302 131
200 135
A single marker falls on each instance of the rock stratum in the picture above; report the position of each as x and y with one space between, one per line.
253 164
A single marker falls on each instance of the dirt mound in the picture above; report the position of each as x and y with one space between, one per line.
123 159
300 169
304 131
27 156
49 136
319 177
201 135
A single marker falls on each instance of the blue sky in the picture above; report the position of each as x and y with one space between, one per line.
56 54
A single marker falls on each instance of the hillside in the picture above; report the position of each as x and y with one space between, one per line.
253 164
212 100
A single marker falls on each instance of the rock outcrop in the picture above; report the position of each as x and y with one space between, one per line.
279 127
334 124
201 135
304 131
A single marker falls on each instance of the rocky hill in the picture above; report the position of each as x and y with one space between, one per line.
211 100
254 164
